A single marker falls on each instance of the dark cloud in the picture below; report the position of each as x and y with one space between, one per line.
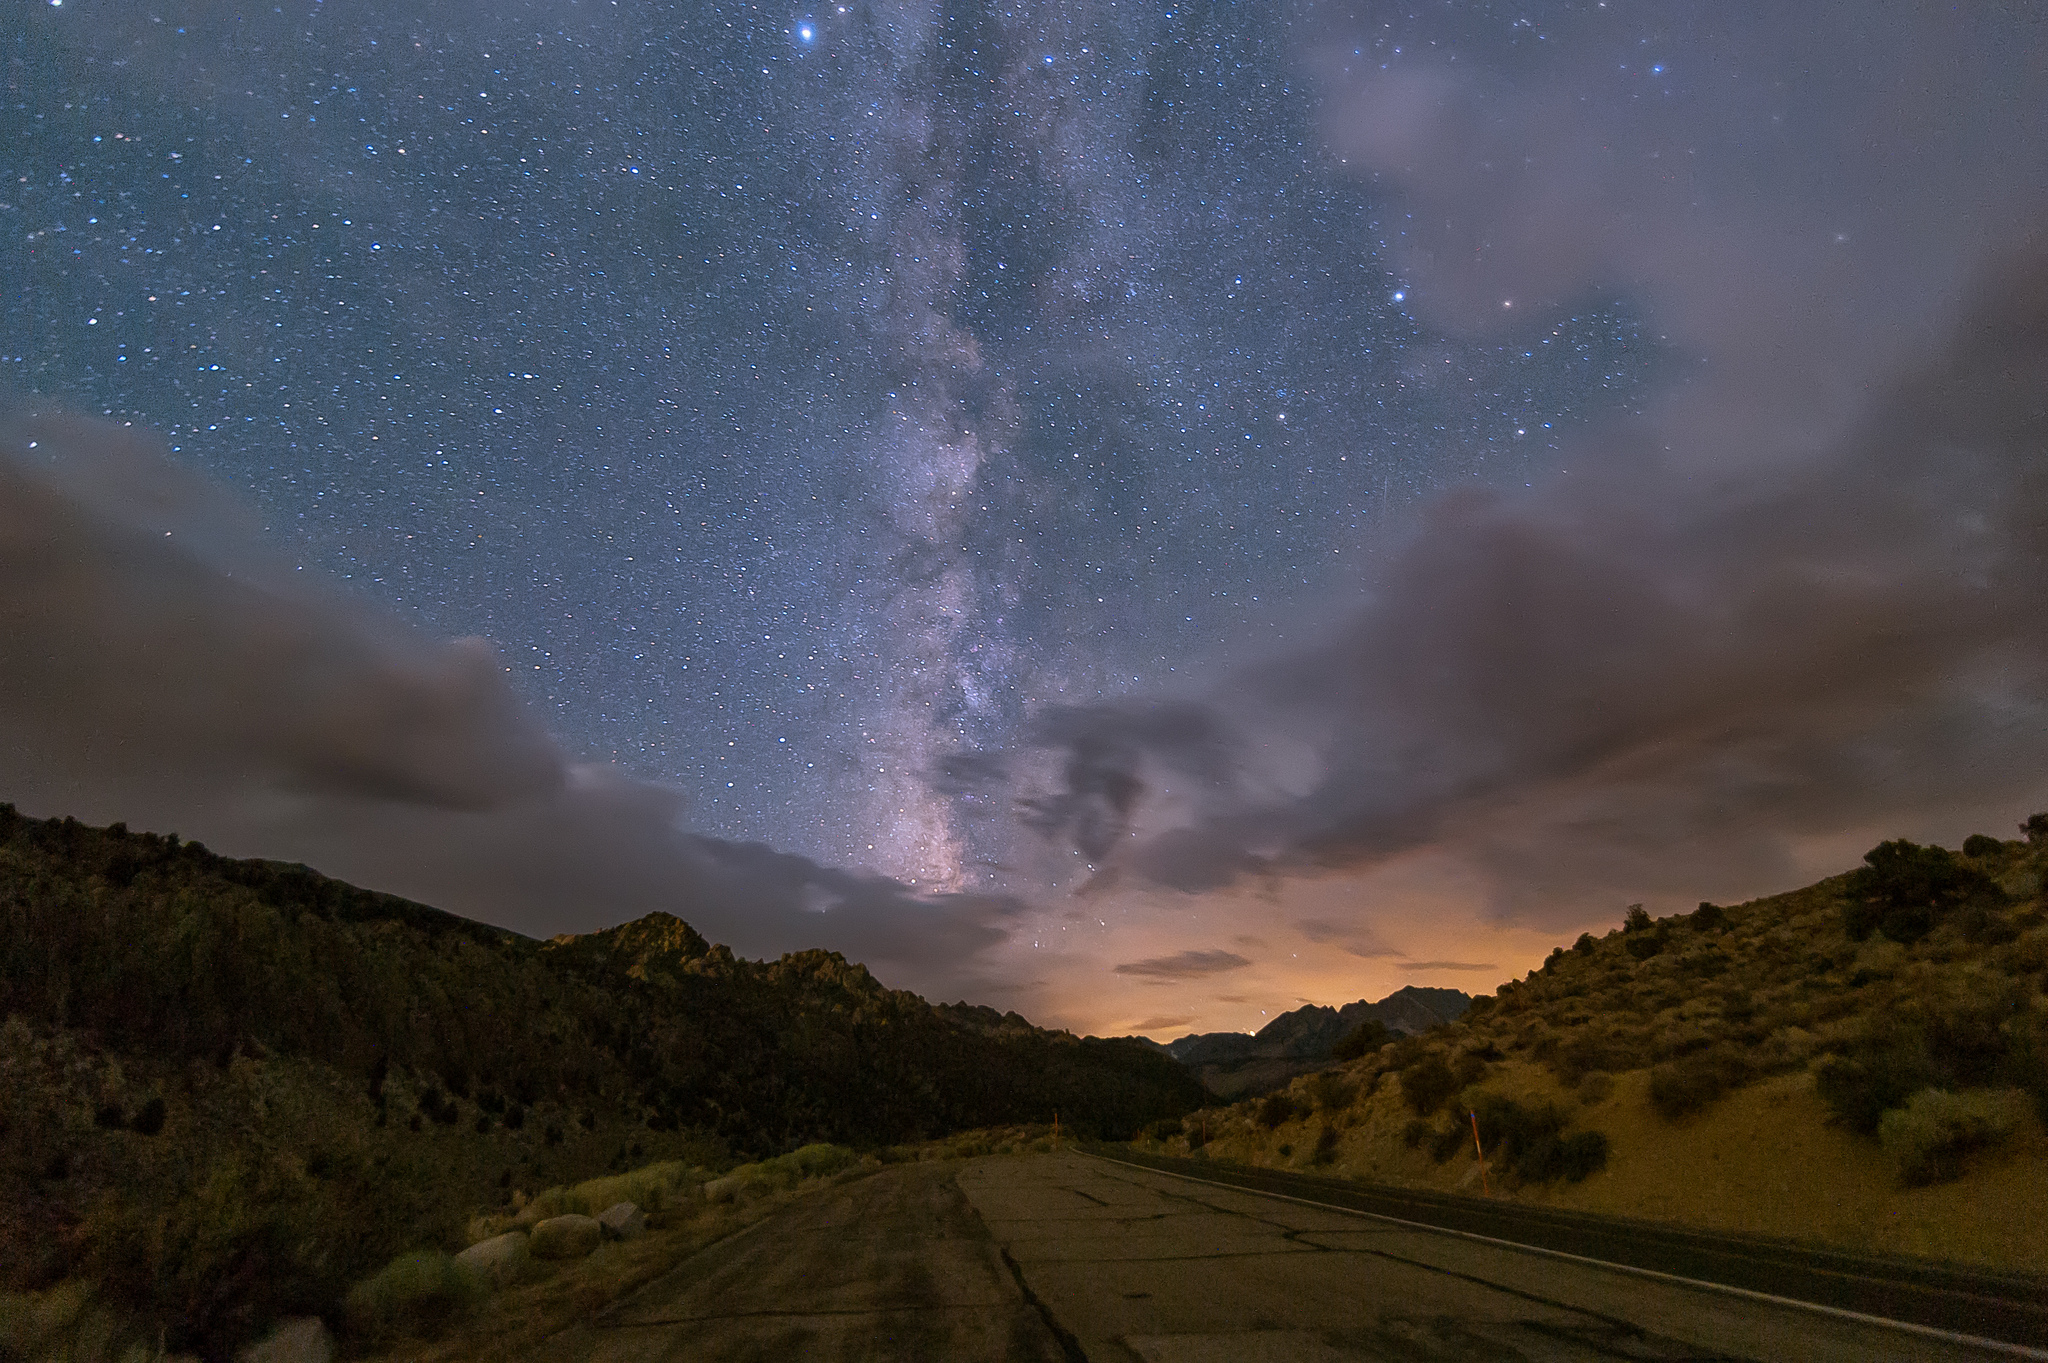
1185 965
1798 598
160 664
1356 939
1102 749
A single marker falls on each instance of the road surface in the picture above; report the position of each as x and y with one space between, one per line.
1067 1257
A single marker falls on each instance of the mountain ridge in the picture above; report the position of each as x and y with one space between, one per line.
1239 1064
236 1086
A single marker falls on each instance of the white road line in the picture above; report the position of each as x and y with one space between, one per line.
1904 1326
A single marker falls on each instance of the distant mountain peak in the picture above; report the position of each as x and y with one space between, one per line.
1304 1038
658 944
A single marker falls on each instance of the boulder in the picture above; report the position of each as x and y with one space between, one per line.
565 1237
725 1189
301 1339
622 1221
497 1259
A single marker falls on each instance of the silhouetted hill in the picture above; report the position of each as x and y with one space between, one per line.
1234 1064
235 1085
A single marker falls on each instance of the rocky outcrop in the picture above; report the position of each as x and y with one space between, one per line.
301 1339
621 1221
565 1237
497 1259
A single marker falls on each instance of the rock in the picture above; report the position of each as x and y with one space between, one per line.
497 1259
301 1339
725 1189
565 1237
622 1221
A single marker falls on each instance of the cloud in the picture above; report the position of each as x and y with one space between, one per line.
1161 1024
1186 965
1355 938
1102 747
1447 965
164 666
1798 598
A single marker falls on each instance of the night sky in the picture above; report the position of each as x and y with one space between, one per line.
1005 448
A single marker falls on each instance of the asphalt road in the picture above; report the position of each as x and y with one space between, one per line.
2005 1306
1066 1257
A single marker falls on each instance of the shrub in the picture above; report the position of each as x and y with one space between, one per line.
1362 1040
1416 1132
1636 920
149 1118
1986 926
1982 845
1529 1143
1710 917
818 1160
1586 945
1449 1141
1934 1130
1579 1156
1326 1145
415 1294
1330 1091
1428 1084
1165 1128
2035 829
1903 890
2025 1064
1875 1075
1274 1109
1644 944
1592 1051
649 1188
1683 1087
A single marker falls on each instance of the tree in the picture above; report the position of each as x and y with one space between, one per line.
1904 889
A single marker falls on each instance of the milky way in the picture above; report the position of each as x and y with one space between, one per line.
795 396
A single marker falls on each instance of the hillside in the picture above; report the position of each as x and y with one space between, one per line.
1862 1062
234 1087
1242 1064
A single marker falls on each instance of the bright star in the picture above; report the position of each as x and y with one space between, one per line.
806 33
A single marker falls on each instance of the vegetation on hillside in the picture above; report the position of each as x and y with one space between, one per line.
232 1088
1907 994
